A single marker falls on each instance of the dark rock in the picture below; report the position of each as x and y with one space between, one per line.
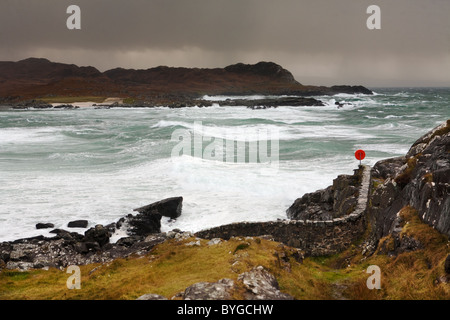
335 201
418 180
275 102
87 246
65 106
447 264
170 207
129 241
97 234
44 225
61 233
351 90
78 224
141 224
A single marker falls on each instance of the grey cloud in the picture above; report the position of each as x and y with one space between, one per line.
220 32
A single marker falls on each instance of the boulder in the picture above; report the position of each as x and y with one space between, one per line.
44 225
262 285
78 224
97 234
220 290
141 224
170 207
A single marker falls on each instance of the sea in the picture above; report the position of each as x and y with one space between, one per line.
230 164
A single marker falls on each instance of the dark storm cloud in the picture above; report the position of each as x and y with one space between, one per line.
321 40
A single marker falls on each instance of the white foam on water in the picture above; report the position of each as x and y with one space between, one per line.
14 136
104 163
244 97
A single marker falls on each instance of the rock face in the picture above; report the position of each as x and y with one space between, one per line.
420 179
337 200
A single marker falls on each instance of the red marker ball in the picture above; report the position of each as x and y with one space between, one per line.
360 154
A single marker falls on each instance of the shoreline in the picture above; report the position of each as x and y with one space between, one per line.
262 102
301 226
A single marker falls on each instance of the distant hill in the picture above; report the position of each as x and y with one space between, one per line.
37 78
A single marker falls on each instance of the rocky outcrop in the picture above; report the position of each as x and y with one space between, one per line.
273 103
262 285
420 179
258 283
335 201
220 290
351 89
170 207
148 220
71 248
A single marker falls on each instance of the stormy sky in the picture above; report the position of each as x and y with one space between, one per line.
322 42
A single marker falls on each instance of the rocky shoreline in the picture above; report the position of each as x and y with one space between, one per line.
326 221
179 103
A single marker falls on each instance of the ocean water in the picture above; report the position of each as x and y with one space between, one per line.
61 165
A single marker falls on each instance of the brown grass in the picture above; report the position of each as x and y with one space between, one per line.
172 266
